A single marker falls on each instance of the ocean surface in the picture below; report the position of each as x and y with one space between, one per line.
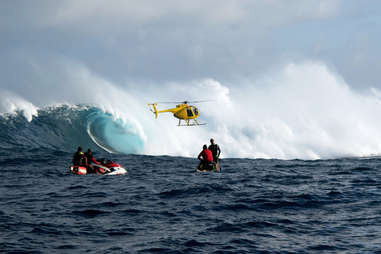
163 206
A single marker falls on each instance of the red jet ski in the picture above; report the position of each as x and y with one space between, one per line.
107 167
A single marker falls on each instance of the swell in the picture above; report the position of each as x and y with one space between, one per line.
65 127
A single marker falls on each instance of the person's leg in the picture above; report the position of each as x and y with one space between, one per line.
200 165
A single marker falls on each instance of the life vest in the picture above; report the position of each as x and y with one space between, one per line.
207 155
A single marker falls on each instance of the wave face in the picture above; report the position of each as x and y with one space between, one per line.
66 127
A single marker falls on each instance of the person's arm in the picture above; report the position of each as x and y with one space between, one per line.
84 158
95 161
199 156
218 151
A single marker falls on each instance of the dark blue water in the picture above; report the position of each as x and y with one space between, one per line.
163 206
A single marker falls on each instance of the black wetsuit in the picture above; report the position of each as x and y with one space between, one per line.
215 151
78 159
89 157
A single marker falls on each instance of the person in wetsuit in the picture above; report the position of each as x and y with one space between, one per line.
90 158
206 159
215 149
79 158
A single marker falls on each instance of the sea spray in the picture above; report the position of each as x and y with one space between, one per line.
304 110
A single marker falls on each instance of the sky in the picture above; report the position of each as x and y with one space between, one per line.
134 40
287 64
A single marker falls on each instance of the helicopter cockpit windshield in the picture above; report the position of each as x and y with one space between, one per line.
195 110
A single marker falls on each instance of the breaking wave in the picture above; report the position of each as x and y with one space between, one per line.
65 127
303 111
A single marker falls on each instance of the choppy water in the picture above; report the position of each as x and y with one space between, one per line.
163 206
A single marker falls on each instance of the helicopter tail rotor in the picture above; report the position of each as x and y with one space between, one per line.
154 108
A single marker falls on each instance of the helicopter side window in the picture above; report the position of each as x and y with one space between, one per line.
195 110
189 112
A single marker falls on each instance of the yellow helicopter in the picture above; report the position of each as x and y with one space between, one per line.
183 111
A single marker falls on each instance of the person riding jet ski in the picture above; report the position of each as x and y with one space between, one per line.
79 158
206 159
90 159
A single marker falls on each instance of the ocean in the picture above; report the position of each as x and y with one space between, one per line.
164 206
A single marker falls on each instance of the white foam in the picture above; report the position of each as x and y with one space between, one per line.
11 103
301 111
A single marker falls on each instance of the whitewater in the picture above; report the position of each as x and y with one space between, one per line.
303 110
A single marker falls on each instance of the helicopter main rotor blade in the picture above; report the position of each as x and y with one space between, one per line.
199 101
168 102
184 102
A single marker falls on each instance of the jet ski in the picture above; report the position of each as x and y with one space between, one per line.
211 167
106 167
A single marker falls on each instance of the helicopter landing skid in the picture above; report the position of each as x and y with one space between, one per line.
192 124
187 121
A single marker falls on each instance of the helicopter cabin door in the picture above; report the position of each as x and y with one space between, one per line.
189 112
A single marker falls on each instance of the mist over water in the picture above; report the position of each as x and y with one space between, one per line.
302 111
